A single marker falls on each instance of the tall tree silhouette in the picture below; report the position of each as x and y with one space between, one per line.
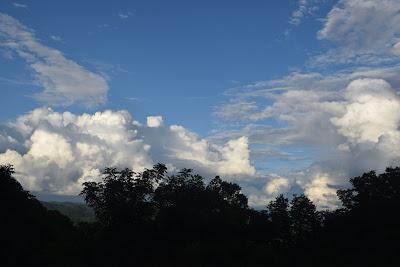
278 211
304 217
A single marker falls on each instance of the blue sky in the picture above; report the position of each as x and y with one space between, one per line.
169 57
270 94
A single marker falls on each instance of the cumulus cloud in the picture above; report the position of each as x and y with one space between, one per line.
244 104
371 111
56 152
277 185
64 81
321 192
154 121
345 118
396 49
354 120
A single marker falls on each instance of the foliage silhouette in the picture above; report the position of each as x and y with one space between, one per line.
304 218
152 218
30 234
278 210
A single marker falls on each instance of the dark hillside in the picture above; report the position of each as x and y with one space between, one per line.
77 212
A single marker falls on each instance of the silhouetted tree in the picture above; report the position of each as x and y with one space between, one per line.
278 211
123 197
30 234
304 217
372 190
155 219
365 232
229 192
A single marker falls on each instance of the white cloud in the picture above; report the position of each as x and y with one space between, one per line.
396 49
364 31
64 81
233 158
19 5
57 152
321 192
124 15
352 119
348 119
277 185
154 121
372 110
56 38
305 8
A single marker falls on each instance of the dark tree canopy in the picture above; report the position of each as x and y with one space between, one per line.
372 190
151 218
122 197
278 211
304 217
29 232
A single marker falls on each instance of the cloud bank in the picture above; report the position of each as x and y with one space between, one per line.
358 126
56 152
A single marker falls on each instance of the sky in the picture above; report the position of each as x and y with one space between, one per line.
281 97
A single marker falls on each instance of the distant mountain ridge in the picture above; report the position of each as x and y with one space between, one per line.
48 197
77 212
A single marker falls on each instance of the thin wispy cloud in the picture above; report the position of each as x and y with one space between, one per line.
361 32
124 15
56 38
19 5
15 81
64 81
132 98
305 8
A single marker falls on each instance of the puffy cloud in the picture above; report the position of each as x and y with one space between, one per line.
351 121
396 49
246 103
321 192
230 159
64 81
372 110
345 119
370 124
56 152
277 185
154 121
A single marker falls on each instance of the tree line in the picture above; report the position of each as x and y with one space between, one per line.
152 218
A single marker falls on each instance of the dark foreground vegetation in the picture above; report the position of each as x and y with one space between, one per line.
153 219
